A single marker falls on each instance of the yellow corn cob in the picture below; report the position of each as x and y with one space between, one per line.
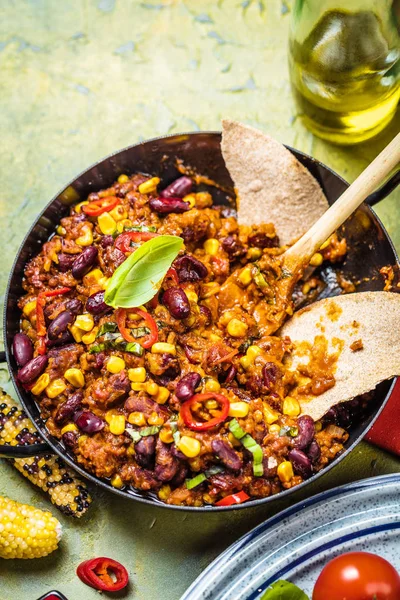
25 531
66 491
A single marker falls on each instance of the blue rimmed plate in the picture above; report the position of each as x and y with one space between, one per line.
298 542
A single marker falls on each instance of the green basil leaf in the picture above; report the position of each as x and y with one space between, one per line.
284 590
138 279
107 328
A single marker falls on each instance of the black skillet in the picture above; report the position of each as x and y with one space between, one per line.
371 249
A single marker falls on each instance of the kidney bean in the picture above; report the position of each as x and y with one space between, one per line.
206 312
180 476
141 404
65 261
343 418
75 306
70 439
186 386
165 206
178 188
32 369
226 454
301 463
99 360
59 324
145 451
106 240
261 240
270 374
306 427
177 302
22 349
84 262
95 304
314 452
232 246
228 375
190 269
65 338
66 410
166 464
88 422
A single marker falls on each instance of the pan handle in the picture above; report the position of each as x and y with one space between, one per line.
22 451
384 190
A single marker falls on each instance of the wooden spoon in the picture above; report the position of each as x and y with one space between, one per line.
296 258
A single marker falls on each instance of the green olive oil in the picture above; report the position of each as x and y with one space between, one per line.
345 76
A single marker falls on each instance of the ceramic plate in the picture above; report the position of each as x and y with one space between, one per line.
298 542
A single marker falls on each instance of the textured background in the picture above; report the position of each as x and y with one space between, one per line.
82 78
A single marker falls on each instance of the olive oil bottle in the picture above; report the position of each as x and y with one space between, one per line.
345 66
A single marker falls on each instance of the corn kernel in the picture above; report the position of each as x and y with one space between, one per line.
162 395
41 384
246 362
123 178
291 407
236 328
270 415
211 246
189 446
211 385
106 223
211 404
316 260
69 427
121 225
89 338
306 288
191 295
238 409
325 244
115 364
213 337
166 436
209 289
61 230
164 492
152 388
93 277
77 333
117 424
118 213
285 471
29 308
254 253
155 419
137 418
137 375
149 186
318 426
110 413
86 237
253 352
78 207
163 348
190 199
245 277
274 428
138 387
56 387
84 322
116 481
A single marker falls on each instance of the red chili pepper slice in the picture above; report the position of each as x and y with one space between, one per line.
100 206
187 415
40 320
121 315
233 499
173 273
96 573
123 241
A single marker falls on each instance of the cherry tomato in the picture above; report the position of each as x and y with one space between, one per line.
358 576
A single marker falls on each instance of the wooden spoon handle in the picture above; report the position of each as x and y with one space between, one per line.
351 199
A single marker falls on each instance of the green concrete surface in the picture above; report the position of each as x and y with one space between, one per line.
82 78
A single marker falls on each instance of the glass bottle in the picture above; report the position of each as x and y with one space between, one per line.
344 61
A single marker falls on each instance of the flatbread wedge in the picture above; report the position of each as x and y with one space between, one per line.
272 185
363 330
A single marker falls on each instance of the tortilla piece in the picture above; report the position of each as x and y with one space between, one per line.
363 329
272 185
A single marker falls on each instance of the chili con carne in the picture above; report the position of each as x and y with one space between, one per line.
187 415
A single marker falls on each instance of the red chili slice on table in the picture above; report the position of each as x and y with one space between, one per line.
100 206
104 574
233 499
189 419
40 320
121 315
123 241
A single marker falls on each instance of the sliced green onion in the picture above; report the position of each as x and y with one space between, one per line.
250 444
149 430
109 344
107 327
139 332
134 348
214 470
141 228
290 431
260 281
135 435
192 483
